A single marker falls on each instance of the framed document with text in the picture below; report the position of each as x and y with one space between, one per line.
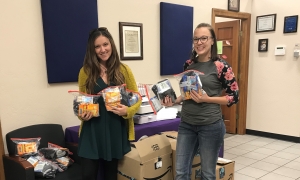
266 23
131 41
290 24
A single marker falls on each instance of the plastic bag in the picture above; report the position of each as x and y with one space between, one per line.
51 145
83 103
58 156
62 158
26 146
189 80
112 96
129 97
44 169
163 89
64 162
146 90
53 153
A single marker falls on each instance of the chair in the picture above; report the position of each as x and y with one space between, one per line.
17 168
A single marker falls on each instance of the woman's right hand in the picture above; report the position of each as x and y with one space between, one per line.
86 116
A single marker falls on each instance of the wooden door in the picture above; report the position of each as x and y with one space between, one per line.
1 154
228 32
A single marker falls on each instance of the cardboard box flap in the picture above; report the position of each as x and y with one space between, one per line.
153 147
223 161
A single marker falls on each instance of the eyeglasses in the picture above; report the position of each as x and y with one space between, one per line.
103 29
202 39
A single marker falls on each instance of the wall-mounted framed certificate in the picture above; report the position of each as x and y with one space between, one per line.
290 24
131 41
266 23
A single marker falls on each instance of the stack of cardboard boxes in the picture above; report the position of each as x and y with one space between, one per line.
154 157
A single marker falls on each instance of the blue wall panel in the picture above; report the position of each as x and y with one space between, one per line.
176 32
67 24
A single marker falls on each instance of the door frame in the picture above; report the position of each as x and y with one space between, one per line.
243 63
1 155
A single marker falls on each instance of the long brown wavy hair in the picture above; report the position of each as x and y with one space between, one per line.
91 62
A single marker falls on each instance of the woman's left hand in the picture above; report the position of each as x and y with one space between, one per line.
120 110
198 98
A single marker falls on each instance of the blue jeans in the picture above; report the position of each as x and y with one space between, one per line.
208 139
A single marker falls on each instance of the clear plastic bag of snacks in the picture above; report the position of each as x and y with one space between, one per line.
26 146
112 96
55 146
189 80
129 97
83 103
163 89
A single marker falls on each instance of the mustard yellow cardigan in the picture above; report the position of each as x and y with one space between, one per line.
130 84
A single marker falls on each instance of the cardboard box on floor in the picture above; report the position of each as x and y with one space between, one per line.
150 158
225 169
172 136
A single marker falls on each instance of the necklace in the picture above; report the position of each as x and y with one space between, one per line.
103 70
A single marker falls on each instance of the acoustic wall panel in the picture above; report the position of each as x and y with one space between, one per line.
176 32
67 24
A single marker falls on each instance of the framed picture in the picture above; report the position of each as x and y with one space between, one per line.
290 24
131 41
234 5
266 23
263 45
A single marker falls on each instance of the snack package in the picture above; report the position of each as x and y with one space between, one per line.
51 145
64 162
189 80
129 97
26 146
163 89
112 96
85 103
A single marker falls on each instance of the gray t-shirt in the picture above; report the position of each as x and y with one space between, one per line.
204 113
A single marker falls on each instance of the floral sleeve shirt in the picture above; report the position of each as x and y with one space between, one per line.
226 78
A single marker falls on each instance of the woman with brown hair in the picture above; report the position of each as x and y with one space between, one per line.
201 123
105 137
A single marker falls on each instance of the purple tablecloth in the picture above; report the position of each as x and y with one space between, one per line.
149 129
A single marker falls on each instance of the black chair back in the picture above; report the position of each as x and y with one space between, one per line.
52 133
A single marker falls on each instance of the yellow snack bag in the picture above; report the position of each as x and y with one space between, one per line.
112 96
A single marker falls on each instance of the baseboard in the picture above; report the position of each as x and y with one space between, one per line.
273 135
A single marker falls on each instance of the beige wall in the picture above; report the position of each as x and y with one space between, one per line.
274 85
25 96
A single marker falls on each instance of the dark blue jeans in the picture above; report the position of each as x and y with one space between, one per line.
208 139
